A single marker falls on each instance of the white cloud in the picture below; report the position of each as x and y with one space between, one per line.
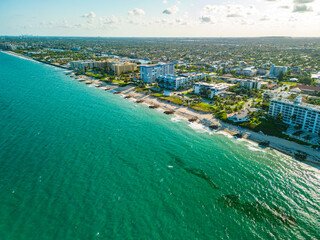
292 19
180 21
207 19
137 12
303 1
265 18
230 10
109 20
165 1
90 17
302 9
284 7
234 15
171 10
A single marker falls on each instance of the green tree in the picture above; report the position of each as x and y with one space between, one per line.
280 76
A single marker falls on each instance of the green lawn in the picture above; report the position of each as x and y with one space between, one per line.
203 107
267 126
290 83
174 100
90 74
117 81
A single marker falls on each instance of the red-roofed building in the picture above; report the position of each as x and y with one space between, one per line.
307 89
271 86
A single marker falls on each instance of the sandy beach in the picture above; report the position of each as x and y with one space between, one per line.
279 144
282 145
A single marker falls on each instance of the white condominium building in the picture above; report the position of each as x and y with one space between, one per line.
149 73
82 65
181 81
296 113
170 81
87 64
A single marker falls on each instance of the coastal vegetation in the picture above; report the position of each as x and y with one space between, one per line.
174 100
218 58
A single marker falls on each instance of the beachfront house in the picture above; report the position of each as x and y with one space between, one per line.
240 117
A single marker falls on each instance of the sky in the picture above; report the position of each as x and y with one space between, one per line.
160 18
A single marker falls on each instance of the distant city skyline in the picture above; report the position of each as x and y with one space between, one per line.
161 18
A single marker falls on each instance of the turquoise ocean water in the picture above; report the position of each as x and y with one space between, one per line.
81 163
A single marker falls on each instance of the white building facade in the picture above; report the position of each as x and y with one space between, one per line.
276 70
185 80
296 113
210 89
173 82
87 64
250 84
149 73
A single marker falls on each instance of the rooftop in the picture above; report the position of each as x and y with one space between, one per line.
302 104
172 76
157 64
217 86
192 74
307 88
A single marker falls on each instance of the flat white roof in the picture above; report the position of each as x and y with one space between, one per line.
302 104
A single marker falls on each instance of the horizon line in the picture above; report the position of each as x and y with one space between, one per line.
27 35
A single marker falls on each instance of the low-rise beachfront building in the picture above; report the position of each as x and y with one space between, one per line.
116 66
173 81
149 73
87 64
240 117
210 89
119 67
82 65
194 76
185 80
296 113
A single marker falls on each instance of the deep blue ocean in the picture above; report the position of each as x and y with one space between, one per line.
80 163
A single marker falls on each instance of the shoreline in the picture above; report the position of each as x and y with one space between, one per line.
284 146
278 144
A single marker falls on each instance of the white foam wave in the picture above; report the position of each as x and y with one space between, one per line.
224 133
178 118
255 149
198 127
144 103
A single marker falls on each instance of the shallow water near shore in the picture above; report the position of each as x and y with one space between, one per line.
82 163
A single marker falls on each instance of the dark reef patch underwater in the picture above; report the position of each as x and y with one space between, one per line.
257 211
